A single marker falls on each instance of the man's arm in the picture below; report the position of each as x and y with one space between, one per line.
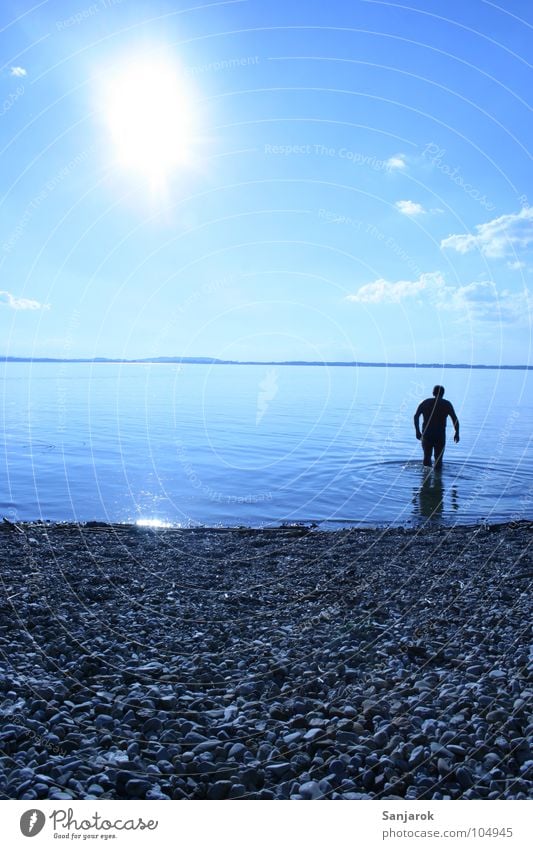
417 421
455 421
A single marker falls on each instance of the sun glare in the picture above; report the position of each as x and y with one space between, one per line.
149 117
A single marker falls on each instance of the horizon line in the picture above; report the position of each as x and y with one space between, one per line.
217 361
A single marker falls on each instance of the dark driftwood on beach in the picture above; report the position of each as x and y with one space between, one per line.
288 663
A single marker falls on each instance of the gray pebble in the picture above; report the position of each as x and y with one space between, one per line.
310 790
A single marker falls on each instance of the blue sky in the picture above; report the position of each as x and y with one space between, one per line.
343 180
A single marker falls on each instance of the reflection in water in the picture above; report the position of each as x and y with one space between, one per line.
428 500
454 498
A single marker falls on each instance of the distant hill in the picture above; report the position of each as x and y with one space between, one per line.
215 361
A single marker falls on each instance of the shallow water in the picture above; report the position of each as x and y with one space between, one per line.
254 445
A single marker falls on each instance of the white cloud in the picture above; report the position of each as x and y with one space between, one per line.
481 295
9 300
496 238
17 71
517 265
384 292
409 207
482 301
477 301
396 163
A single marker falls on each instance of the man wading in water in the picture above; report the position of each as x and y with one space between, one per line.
434 412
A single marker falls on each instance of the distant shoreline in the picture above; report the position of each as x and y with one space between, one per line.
214 361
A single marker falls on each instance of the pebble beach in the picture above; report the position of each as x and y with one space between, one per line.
288 663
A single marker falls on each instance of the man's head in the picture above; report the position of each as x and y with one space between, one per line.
438 391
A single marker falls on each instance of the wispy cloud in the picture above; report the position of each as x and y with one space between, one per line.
497 238
396 163
516 265
9 300
477 301
483 301
384 292
409 207
17 71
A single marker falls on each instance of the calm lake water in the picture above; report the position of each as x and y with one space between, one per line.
258 445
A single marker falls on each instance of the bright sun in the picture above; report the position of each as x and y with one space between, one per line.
150 118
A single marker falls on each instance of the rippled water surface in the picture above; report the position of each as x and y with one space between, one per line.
254 445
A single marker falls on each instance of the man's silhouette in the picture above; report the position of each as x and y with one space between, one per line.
434 412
